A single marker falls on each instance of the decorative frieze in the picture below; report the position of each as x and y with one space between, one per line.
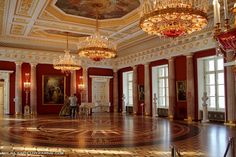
181 47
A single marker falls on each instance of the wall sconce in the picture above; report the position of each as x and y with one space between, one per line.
81 87
27 86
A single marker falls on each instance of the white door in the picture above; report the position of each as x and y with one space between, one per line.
100 94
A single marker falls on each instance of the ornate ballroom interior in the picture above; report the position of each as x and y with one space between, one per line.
151 78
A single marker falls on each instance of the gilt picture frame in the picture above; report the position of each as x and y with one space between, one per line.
141 92
53 89
181 91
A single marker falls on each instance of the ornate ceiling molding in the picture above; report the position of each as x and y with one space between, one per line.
44 57
183 46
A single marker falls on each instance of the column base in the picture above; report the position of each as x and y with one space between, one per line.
147 114
33 113
189 119
205 121
230 123
171 117
18 113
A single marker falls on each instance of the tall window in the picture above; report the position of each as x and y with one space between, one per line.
162 86
128 88
214 82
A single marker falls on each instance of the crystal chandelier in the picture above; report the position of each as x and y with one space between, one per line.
173 18
97 47
66 63
224 35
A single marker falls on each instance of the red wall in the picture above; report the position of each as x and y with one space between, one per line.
100 72
78 81
4 65
180 75
47 69
120 86
25 68
140 80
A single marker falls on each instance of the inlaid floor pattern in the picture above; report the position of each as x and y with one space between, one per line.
107 134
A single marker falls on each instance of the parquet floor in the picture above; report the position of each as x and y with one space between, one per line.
105 134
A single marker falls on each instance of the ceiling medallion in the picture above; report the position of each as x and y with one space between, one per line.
173 18
66 63
97 47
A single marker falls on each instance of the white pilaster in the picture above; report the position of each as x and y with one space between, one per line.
115 90
18 89
73 82
33 89
231 94
190 87
147 89
135 90
171 82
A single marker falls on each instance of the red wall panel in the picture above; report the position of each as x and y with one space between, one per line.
25 68
47 69
78 81
4 65
180 75
140 80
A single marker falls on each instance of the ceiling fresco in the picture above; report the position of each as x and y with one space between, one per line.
108 9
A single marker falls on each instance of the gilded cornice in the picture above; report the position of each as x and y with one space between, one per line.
44 57
183 46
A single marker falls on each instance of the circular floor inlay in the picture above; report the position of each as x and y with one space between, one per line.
97 131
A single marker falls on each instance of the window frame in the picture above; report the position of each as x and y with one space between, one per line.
165 88
216 85
129 95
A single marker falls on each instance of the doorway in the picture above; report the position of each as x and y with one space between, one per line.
101 93
5 92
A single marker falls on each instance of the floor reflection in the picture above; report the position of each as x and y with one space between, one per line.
111 135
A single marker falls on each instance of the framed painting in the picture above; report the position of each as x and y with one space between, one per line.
141 92
53 90
181 90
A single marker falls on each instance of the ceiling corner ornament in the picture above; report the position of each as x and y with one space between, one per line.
66 63
173 18
97 47
224 35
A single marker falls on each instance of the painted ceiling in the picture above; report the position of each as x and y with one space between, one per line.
106 9
41 24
